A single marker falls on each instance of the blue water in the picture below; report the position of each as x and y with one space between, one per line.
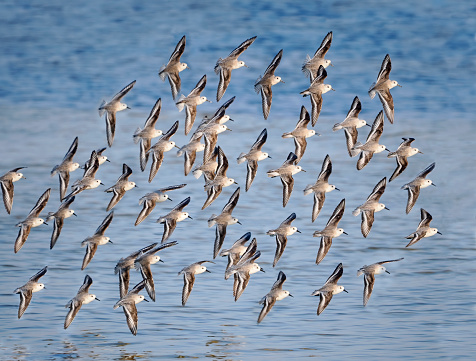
58 62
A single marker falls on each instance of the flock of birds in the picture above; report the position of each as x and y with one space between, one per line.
242 256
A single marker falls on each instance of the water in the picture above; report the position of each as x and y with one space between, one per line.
59 60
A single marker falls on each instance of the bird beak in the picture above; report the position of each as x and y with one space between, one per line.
433 184
302 170
207 271
161 261
176 146
337 189
128 107
290 295
187 67
388 150
420 152
45 223
239 223
107 160
189 217
345 233
269 157
331 64
209 101
23 177
439 232
135 185
399 85
74 214
169 199
110 241
282 81
345 291
386 208
231 120
146 300
228 129
298 231
262 270
97 299
367 124
235 182
246 66
333 89
101 183
387 271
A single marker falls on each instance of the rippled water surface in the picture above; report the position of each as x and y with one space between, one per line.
58 62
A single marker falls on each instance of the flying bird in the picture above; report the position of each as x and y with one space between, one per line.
32 220
329 289
382 87
264 83
225 66
110 108
172 69
26 291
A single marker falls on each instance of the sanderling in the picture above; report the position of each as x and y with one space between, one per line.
423 229
59 216
243 269
225 66
121 186
147 133
282 232
151 199
415 185
403 151
143 262
88 181
32 220
174 67
369 276
170 219
300 133
371 146
128 303
371 206
26 291
311 65
330 231
83 297
214 186
189 151
329 289
66 166
101 158
350 125
285 172
321 187
222 220
264 83
236 250
6 182
253 157
189 273
190 103
209 165
98 239
382 87
275 294
315 91
110 108
164 144
124 265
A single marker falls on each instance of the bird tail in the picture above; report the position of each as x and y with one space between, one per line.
101 109
136 137
241 158
180 104
212 220
162 73
336 126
